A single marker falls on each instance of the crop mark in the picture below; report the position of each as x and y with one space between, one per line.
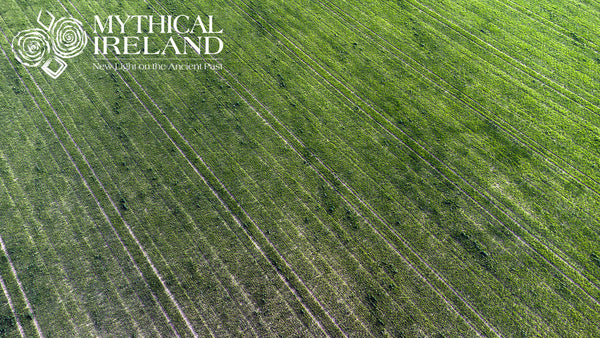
263 118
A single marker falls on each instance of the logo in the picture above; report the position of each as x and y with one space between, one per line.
48 47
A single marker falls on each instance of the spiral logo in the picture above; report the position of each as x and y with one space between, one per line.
31 47
59 39
69 39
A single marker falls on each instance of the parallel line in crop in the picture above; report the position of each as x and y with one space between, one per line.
301 155
549 23
589 290
151 324
20 284
62 278
72 161
50 186
139 159
561 89
356 196
449 172
22 301
6 293
560 159
321 174
132 91
472 104
582 263
146 256
185 105
457 94
240 169
103 167
219 185
523 242
307 294
242 172
481 110
32 220
587 27
350 310
25 212
28 304
589 182
96 150
531 42
85 180
234 77
577 120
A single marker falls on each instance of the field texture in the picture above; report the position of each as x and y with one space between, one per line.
410 168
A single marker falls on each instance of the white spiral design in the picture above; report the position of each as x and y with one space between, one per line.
69 38
31 47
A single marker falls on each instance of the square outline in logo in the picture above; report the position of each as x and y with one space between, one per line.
62 65
51 18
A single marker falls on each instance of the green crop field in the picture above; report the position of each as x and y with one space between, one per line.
409 168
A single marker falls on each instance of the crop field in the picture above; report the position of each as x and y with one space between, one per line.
409 168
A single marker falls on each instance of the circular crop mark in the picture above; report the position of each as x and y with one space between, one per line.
69 38
31 47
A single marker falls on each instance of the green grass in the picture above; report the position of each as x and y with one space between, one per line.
361 168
